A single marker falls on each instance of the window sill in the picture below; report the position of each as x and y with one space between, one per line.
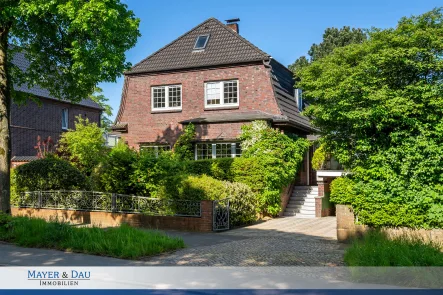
221 108
166 111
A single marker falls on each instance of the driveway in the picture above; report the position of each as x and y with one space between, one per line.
282 241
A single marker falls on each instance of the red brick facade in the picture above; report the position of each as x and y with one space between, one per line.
144 125
32 120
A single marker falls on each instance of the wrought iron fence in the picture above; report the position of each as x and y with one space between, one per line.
99 201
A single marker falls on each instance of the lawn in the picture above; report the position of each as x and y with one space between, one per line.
375 249
121 242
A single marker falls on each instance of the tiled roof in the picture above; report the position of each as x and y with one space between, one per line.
298 121
224 117
22 63
224 47
24 158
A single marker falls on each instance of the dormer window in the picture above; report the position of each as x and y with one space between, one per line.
201 42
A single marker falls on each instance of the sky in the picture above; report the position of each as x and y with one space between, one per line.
284 29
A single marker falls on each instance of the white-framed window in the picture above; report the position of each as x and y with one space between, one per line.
154 149
204 150
166 97
221 94
65 119
111 140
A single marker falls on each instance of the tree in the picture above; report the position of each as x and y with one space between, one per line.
379 106
102 100
332 38
71 44
84 146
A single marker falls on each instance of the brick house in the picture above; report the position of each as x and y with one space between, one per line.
217 80
50 117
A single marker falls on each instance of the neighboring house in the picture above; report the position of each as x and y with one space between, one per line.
51 117
215 79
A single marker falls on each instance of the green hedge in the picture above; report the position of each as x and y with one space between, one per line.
243 201
390 201
47 174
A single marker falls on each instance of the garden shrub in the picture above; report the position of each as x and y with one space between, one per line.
243 202
47 174
319 158
85 146
114 174
277 159
149 171
183 147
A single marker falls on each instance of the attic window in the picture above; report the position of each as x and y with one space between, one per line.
201 42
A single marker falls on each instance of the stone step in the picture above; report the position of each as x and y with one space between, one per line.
301 202
299 215
304 195
309 197
301 206
305 187
300 210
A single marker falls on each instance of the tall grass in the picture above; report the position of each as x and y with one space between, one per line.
375 249
120 242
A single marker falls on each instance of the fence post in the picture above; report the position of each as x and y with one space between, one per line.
40 199
113 202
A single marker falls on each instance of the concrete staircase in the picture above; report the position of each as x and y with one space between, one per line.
302 202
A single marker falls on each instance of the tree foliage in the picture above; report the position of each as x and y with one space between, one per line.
71 45
379 106
332 38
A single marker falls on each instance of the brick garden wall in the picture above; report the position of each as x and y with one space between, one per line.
347 229
255 94
111 219
285 196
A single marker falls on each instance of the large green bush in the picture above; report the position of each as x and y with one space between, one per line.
243 202
47 174
277 158
84 146
114 174
150 171
183 147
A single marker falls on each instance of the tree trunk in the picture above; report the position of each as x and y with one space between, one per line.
5 134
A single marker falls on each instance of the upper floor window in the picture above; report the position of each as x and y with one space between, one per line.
166 97
65 119
221 93
201 42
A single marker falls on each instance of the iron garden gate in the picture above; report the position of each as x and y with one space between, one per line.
220 215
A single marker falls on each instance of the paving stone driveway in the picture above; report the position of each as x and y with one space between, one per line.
281 241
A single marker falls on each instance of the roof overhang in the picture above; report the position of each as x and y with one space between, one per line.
120 127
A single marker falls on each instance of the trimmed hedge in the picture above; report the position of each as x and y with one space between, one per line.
47 174
243 201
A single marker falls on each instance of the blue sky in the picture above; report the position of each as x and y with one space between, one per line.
284 29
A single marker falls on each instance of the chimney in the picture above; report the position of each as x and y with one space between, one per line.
233 24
